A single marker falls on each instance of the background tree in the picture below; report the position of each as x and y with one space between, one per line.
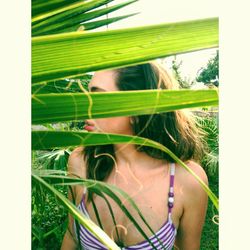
183 82
210 74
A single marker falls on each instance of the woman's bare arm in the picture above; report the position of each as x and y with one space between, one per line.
76 167
195 206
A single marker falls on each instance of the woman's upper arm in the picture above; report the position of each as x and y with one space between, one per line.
195 207
76 168
76 165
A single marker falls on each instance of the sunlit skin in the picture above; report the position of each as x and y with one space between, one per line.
144 178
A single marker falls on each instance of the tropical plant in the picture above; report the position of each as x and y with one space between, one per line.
210 73
48 218
58 53
210 160
53 17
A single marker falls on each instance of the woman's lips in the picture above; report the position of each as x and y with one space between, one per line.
89 127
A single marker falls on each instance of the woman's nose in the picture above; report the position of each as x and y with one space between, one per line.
89 122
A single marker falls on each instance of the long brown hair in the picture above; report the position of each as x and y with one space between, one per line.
175 130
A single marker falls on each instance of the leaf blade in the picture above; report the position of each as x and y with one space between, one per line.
64 107
99 50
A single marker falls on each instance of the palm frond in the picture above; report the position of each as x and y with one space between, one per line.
74 16
64 107
75 53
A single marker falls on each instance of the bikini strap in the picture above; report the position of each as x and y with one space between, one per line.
82 204
171 190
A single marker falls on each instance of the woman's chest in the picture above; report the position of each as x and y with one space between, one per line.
149 201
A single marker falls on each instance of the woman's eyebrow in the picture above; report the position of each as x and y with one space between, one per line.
94 88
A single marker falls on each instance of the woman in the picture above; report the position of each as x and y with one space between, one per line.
170 198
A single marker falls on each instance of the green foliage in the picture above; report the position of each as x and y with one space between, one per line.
68 16
184 83
209 237
210 161
49 217
210 74
54 159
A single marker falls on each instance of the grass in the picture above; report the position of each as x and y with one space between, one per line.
209 239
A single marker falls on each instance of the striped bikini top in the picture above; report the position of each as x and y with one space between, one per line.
163 239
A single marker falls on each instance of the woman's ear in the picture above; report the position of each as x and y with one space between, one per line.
133 120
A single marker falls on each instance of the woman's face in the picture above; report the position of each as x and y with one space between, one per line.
104 81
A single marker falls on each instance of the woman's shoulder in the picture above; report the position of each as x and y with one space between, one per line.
196 169
76 163
193 188
193 199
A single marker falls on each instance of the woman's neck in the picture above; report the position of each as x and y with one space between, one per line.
134 170
127 155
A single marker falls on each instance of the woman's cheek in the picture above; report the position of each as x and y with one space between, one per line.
122 125
117 125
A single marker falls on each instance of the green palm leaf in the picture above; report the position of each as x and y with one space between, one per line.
72 17
95 24
62 86
40 6
53 13
64 107
72 54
